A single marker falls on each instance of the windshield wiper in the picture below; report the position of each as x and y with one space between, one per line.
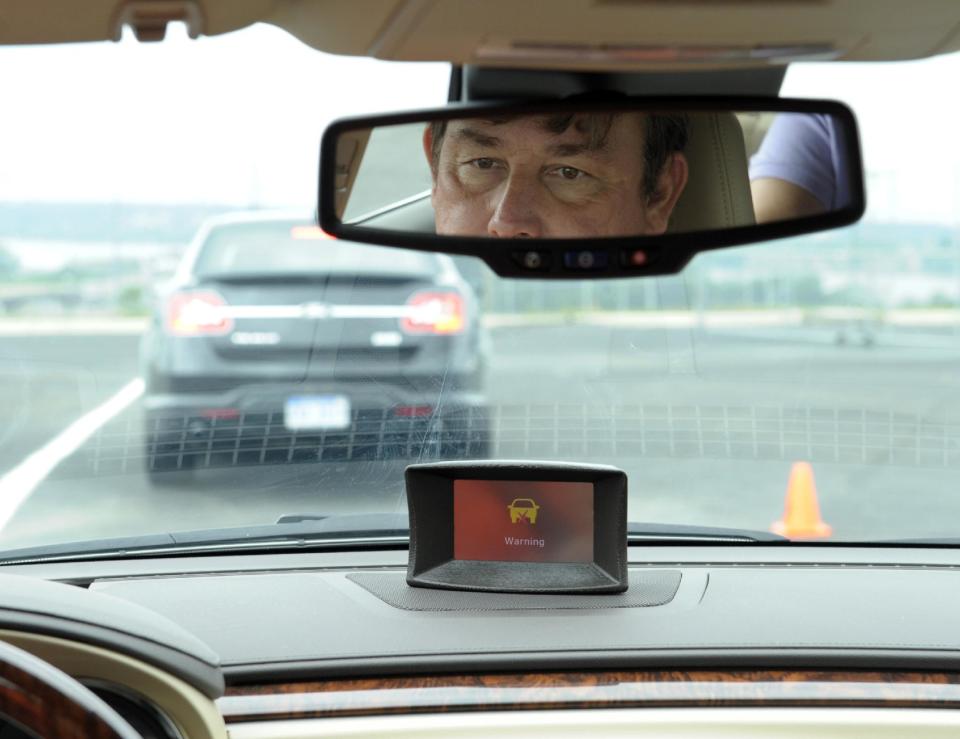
311 531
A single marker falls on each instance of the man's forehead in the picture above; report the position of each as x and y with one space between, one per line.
587 132
545 124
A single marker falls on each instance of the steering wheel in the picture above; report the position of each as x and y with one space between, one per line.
38 697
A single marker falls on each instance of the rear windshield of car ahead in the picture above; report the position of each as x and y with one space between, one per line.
299 248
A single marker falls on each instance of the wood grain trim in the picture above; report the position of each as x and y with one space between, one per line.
49 703
567 690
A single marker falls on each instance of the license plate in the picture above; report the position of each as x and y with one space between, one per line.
316 412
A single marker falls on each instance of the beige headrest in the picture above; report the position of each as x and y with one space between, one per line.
717 194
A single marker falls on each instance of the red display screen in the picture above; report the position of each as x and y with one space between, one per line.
522 521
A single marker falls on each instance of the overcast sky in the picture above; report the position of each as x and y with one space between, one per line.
234 119
237 119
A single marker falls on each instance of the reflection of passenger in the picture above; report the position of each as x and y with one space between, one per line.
799 169
559 176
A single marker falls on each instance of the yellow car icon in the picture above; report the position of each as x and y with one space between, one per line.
523 508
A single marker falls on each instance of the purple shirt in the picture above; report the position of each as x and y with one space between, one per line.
807 150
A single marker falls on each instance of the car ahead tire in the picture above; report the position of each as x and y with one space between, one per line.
475 382
169 476
168 461
170 479
467 436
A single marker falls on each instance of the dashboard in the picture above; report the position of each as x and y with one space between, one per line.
336 642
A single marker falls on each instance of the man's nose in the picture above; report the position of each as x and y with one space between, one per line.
516 214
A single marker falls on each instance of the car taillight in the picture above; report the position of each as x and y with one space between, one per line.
197 314
413 411
312 233
434 313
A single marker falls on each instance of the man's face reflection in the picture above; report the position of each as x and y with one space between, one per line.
554 176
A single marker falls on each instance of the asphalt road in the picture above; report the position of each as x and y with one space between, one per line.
707 426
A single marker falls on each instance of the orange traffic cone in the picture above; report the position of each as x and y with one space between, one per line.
801 516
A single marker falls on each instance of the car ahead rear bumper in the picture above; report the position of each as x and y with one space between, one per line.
367 393
247 426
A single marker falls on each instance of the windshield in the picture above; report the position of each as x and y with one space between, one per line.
182 350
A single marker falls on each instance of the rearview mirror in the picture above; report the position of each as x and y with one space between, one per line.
574 188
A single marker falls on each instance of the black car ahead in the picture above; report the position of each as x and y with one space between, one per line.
276 344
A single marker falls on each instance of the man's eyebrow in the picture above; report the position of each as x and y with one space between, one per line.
478 137
570 150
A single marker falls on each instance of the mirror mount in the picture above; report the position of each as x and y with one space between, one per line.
475 83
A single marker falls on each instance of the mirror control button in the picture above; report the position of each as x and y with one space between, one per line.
533 260
586 260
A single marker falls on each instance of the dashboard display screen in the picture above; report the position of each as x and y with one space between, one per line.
523 521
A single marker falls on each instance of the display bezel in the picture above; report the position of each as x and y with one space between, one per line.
431 508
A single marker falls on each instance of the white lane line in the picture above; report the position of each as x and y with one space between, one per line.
19 483
71 327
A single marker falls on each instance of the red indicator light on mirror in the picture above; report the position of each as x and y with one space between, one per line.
637 258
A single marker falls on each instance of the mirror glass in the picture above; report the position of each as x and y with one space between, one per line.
594 173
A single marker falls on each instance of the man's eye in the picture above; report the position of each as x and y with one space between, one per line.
484 163
570 174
